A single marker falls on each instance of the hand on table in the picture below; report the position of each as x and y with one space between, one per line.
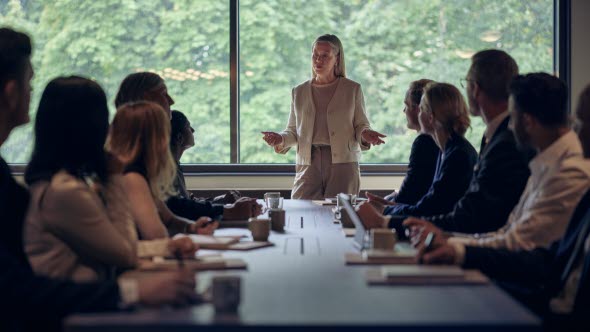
372 137
204 226
438 254
272 138
378 202
177 288
370 217
243 208
419 229
184 245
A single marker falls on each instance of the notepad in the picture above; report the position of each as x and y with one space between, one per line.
424 275
218 263
421 271
214 242
380 257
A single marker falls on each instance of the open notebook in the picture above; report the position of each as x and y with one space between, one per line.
403 254
229 242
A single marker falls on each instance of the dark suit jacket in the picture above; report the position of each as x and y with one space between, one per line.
29 302
184 206
539 274
454 170
421 168
498 181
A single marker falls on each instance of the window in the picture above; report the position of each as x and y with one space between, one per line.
387 45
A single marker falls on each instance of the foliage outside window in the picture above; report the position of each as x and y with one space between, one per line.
387 45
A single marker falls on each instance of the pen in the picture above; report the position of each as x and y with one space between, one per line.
302 222
178 256
427 244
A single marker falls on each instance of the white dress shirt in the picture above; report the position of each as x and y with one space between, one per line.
559 178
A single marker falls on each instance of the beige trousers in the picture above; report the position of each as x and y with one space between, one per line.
323 179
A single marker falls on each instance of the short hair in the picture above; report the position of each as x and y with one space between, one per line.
542 95
15 50
140 135
70 130
448 107
493 70
134 86
177 124
416 89
337 49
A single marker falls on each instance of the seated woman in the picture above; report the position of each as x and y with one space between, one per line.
443 115
139 137
79 225
423 156
184 203
151 87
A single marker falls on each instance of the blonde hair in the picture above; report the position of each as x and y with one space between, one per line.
140 134
448 107
337 50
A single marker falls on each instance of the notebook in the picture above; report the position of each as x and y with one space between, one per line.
205 264
378 257
424 275
214 242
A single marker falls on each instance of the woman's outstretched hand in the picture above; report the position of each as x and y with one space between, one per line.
272 138
372 137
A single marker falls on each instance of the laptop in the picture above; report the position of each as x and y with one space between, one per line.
361 232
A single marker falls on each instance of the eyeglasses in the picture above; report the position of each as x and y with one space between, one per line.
464 81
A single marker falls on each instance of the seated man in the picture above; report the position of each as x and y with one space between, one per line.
35 303
184 203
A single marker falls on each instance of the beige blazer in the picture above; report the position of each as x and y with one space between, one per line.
72 233
346 121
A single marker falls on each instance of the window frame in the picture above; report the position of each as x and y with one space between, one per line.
561 66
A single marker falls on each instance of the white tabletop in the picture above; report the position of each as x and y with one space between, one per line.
303 281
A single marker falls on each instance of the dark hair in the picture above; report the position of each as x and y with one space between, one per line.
416 90
178 122
70 130
15 50
134 86
493 70
543 96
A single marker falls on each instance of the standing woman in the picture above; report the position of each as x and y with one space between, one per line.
328 125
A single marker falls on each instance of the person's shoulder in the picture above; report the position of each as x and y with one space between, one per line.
302 85
347 82
63 182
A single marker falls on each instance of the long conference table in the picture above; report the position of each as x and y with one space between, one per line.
303 282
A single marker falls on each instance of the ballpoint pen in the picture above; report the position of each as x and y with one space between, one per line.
428 242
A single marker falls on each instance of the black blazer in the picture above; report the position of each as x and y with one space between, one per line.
421 168
184 206
541 273
29 302
498 181
454 170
